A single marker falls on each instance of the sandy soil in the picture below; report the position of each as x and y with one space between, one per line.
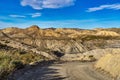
60 71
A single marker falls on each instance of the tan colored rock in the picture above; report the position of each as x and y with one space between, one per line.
33 28
107 33
110 63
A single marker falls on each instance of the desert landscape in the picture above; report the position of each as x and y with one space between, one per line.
59 39
59 54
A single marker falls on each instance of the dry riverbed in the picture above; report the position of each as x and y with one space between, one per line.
60 71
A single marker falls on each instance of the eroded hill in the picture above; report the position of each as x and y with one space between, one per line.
63 44
60 41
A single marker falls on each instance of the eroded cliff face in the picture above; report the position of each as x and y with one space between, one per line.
63 46
110 63
61 41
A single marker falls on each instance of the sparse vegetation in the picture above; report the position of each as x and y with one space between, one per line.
55 44
11 60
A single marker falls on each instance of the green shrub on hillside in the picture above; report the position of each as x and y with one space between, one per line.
13 60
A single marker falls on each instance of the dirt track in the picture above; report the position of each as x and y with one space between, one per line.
63 71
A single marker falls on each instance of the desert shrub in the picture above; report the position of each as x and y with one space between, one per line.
22 52
17 64
11 60
5 68
92 58
7 41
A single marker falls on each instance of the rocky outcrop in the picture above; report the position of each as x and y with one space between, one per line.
98 53
63 46
89 55
107 33
15 44
33 28
18 45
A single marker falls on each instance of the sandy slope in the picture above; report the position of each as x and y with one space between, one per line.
63 71
111 64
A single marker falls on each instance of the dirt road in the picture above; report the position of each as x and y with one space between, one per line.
61 71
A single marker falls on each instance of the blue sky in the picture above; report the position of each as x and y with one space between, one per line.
60 13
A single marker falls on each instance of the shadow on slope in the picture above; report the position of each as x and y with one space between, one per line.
41 71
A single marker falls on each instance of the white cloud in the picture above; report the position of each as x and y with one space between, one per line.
17 16
112 6
33 15
41 4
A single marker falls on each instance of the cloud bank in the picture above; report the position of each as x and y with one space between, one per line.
112 6
41 4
